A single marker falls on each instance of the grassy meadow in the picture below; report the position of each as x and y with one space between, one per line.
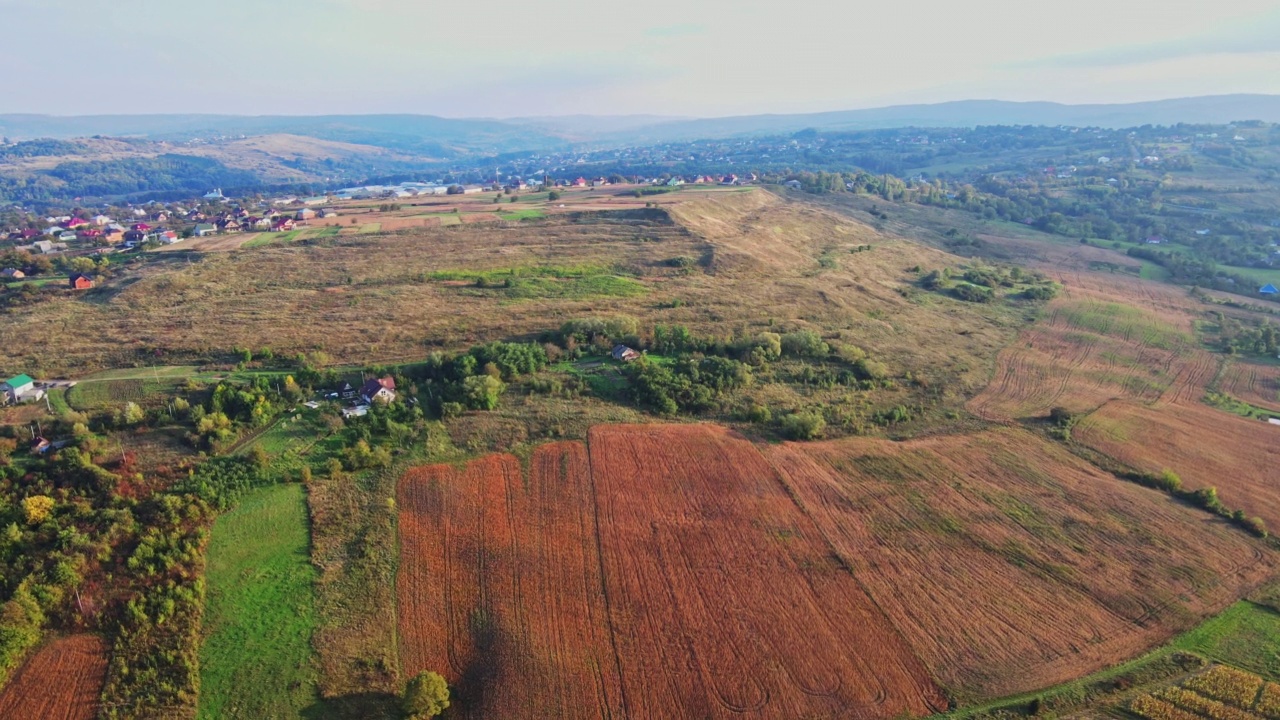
260 614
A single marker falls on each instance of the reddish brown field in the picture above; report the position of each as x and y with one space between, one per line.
500 587
1103 339
1204 446
1009 564
725 593
1255 384
700 591
61 681
681 572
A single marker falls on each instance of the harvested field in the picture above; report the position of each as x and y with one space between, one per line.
1007 563
1096 343
1204 446
1255 384
61 681
719 583
809 581
599 589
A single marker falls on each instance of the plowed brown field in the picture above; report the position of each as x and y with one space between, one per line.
721 586
1255 384
61 681
700 590
1121 352
1205 446
682 573
1008 563
1097 343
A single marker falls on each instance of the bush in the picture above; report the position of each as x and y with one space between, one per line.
1256 526
867 369
804 343
482 392
974 293
1061 416
425 696
803 426
766 347
759 414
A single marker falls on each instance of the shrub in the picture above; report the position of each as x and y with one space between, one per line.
974 293
425 696
804 343
803 426
1061 417
482 391
867 369
759 414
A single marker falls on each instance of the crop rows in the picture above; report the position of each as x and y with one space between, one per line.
61 681
1227 684
1219 693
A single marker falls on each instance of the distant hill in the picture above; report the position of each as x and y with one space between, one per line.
1219 109
423 135
47 169
445 138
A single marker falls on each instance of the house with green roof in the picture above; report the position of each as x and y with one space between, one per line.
19 388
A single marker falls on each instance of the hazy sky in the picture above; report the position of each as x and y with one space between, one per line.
670 57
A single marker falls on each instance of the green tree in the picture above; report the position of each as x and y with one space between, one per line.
482 391
132 414
425 696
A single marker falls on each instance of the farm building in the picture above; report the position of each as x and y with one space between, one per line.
203 229
19 388
625 354
80 281
381 390
355 411
318 200
305 214
12 274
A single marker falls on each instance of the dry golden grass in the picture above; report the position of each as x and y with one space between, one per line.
362 298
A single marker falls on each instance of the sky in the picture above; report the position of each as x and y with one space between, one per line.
689 58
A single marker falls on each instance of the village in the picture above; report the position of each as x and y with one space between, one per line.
79 241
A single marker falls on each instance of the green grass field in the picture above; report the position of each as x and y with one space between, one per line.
370 228
95 395
255 661
530 282
1246 635
266 239
1262 276
526 214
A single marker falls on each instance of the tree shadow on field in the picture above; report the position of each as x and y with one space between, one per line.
472 691
359 706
